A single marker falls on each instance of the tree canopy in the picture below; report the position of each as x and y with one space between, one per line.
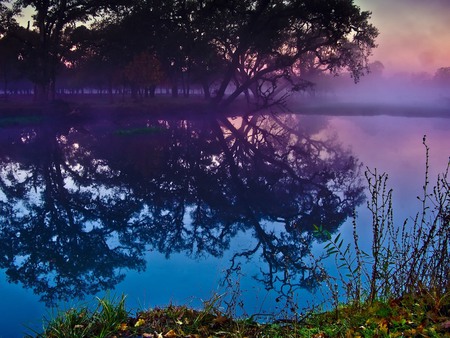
227 48
50 19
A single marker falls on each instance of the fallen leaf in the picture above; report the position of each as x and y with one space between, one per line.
220 320
170 334
123 327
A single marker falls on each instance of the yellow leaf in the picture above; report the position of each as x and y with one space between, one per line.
139 322
383 327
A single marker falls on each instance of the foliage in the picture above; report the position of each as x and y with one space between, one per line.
412 257
7 17
144 72
419 307
442 76
248 47
50 19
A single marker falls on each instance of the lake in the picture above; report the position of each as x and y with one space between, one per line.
179 210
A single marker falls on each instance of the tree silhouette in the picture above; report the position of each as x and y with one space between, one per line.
50 18
229 48
144 73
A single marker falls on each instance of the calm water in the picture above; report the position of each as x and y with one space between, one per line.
174 211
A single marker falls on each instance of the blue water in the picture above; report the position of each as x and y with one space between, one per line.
255 198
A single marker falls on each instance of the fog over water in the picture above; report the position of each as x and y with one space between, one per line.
375 94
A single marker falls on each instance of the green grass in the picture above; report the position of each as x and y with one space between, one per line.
139 131
409 316
19 120
101 322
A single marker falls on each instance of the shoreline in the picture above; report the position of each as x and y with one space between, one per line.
187 107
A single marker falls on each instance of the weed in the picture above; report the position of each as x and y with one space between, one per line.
79 323
406 259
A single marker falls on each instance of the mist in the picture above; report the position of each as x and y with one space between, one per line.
400 94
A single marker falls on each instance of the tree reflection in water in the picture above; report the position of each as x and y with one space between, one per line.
81 202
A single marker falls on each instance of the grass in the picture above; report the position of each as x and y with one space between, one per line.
19 120
400 289
139 131
93 106
409 316
107 317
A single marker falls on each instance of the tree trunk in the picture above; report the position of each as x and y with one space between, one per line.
41 92
206 90
152 90
174 90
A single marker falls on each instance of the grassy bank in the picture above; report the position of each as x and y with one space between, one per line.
95 105
409 316
98 106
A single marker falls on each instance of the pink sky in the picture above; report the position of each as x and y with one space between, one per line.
414 34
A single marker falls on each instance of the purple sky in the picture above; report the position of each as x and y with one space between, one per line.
414 34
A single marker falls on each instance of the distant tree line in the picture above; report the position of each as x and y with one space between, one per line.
260 49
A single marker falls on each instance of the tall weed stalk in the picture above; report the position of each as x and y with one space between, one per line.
414 256
405 259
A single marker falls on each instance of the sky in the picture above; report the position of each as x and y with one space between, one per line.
414 34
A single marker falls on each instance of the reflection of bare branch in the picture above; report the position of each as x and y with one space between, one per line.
255 151
236 266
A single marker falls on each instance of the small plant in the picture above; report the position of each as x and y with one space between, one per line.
412 258
78 323
350 262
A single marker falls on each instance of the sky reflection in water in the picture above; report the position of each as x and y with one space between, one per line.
163 210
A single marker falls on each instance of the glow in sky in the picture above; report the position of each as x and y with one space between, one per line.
414 34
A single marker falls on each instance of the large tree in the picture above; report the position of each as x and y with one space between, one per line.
6 17
50 19
264 41
251 46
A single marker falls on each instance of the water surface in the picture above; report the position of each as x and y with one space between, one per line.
173 211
